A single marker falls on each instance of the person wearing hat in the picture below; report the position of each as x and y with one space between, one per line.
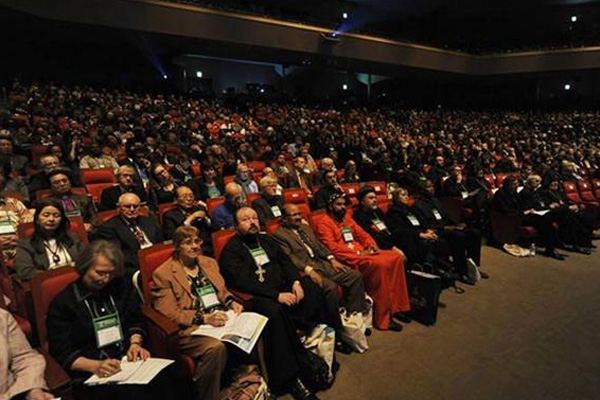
330 187
373 221
383 270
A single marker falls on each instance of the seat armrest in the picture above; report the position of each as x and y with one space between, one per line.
167 326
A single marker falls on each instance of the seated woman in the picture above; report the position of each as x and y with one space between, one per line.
190 291
211 186
79 320
51 245
162 185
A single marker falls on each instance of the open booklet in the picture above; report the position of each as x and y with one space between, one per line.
241 330
133 372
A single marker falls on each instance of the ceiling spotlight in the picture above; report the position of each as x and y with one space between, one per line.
567 86
573 18
345 87
165 76
262 90
198 74
345 15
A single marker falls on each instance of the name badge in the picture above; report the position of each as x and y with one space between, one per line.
348 237
380 225
464 195
7 228
437 214
208 297
74 213
413 220
108 330
276 211
260 257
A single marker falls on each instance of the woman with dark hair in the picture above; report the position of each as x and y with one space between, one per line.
51 246
162 185
190 291
211 185
95 322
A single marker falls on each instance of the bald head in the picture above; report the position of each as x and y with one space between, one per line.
234 195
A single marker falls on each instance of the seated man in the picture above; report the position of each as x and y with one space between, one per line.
269 205
327 165
383 270
21 367
330 187
243 177
372 220
189 212
40 181
254 264
465 242
73 204
131 230
125 176
300 177
309 255
234 199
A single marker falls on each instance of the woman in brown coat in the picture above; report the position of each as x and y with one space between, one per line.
190 291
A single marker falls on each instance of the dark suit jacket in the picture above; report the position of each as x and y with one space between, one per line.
262 206
174 218
292 245
294 182
533 199
365 220
117 230
239 270
201 190
29 262
110 197
85 205
425 207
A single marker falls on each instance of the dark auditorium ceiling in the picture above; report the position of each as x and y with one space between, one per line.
475 26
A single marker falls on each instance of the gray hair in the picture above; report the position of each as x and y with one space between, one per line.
107 249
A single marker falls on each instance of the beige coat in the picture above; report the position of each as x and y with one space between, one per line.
172 291
21 367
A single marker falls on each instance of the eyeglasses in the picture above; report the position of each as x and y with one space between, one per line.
191 242
130 206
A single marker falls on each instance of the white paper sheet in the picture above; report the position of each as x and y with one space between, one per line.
133 373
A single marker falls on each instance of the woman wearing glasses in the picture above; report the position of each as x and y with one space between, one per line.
96 323
51 246
190 291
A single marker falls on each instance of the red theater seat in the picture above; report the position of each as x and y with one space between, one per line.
295 196
220 239
77 227
45 193
256 166
95 190
100 175
213 204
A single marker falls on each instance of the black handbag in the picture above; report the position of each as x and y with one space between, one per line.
424 291
314 372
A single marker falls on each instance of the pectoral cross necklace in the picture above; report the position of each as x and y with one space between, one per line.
260 272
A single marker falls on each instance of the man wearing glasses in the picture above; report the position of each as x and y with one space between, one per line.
131 230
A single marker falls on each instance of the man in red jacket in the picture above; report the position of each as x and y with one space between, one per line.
383 270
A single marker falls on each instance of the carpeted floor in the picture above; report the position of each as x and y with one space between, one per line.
530 332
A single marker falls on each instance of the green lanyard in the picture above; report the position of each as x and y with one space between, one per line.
205 291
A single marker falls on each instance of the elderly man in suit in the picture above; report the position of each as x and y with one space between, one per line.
126 177
21 367
189 212
74 204
131 230
309 255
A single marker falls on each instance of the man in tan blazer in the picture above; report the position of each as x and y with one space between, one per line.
175 295
309 255
21 367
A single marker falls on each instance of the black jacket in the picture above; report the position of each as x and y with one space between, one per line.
117 230
175 218
263 205
366 221
69 323
239 270
110 196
